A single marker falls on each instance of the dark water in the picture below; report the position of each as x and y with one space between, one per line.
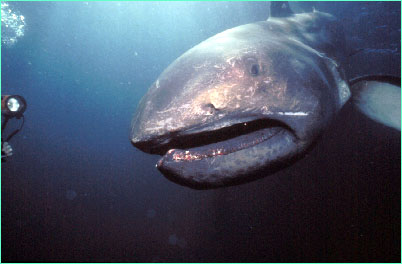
76 190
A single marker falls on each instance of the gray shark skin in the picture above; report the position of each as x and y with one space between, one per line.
245 102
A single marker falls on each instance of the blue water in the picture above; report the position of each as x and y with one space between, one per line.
76 190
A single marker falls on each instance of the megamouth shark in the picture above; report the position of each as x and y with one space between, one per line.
252 100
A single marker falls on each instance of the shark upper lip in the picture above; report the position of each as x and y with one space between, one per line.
225 139
224 147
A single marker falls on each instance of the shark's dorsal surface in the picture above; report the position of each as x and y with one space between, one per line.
245 102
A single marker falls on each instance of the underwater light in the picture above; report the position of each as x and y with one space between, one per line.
13 105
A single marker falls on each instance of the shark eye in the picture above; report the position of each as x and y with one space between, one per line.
252 66
255 69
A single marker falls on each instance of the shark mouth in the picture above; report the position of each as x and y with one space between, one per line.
224 153
224 141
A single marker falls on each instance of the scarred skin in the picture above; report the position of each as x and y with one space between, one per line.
245 102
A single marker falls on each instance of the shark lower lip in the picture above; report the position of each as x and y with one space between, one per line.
221 148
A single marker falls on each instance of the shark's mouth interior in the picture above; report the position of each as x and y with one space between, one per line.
223 141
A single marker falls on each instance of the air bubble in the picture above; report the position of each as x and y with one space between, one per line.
12 25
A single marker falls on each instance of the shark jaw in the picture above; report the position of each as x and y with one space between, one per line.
229 155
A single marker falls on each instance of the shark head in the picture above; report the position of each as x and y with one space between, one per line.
243 103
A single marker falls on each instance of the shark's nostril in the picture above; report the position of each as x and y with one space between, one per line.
210 108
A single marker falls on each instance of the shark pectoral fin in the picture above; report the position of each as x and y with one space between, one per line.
379 97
